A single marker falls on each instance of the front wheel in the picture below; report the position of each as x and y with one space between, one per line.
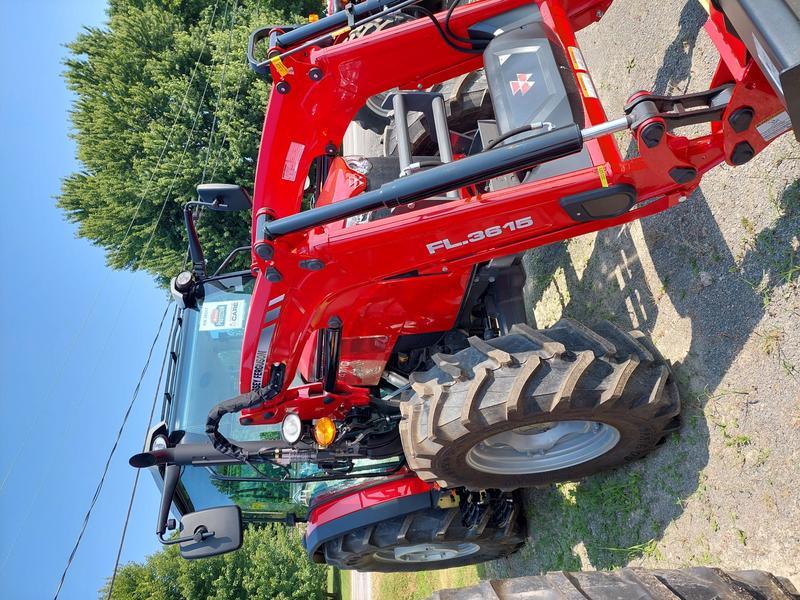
536 407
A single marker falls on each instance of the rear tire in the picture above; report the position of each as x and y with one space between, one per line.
694 583
373 116
466 101
428 539
536 407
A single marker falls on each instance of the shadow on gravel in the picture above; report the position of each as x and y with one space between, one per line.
614 518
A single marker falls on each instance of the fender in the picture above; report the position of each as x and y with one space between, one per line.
340 513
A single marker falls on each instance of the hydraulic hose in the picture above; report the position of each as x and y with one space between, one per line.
232 406
237 404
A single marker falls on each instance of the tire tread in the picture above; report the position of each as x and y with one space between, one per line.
534 375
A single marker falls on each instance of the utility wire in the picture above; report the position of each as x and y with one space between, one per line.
215 164
43 477
93 305
221 84
111 454
138 471
130 287
150 353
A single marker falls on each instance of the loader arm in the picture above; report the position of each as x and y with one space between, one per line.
309 271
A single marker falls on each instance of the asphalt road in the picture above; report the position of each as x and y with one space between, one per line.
360 585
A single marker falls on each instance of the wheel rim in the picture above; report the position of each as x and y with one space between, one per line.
433 552
543 447
375 103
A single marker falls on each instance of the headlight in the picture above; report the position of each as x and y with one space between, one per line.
291 428
160 442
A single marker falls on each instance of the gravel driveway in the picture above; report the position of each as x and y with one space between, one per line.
716 283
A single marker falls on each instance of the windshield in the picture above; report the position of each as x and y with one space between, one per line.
208 352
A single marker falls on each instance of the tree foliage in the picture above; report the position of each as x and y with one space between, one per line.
165 101
271 564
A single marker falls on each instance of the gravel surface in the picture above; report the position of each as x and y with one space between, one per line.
716 283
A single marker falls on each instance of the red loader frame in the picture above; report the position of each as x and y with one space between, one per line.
333 299
322 277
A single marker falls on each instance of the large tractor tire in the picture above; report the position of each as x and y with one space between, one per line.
467 101
373 116
432 538
538 406
695 583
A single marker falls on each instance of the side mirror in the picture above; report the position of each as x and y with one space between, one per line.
210 532
224 196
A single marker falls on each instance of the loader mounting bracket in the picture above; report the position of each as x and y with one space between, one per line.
679 111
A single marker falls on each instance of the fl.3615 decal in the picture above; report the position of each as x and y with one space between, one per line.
480 235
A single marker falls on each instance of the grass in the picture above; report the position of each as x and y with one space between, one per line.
648 549
730 435
770 340
742 537
606 514
771 345
412 586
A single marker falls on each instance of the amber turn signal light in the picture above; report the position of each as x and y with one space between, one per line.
324 431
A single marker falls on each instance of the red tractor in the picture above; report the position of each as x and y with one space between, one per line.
392 393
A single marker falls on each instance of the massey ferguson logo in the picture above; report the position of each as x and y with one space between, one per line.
521 84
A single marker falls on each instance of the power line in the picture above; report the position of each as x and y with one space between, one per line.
221 84
138 471
215 164
161 373
93 305
43 477
174 122
40 487
111 454
150 353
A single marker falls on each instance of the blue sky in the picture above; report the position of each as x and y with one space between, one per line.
74 339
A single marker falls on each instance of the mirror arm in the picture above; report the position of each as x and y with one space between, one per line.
172 474
195 250
198 536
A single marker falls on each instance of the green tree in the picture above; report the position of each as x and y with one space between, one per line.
271 564
165 101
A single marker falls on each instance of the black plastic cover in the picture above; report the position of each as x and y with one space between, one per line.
602 203
530 80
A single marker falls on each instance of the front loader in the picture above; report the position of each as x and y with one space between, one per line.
392 391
